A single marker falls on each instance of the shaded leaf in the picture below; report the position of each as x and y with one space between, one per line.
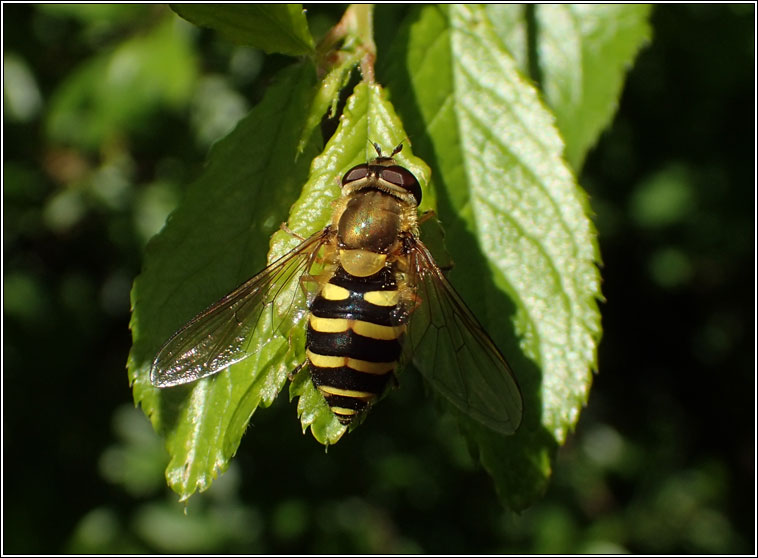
278 28
329 89
216 239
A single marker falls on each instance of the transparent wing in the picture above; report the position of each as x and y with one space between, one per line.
223 334
454 353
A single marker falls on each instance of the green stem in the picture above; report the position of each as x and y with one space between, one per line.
356 32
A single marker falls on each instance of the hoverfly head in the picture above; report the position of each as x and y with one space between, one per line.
396 178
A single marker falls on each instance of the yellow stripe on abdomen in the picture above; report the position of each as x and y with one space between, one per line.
382 298
375 331
344 411
352 393
324 361
366 329
367 367
328 325
334 292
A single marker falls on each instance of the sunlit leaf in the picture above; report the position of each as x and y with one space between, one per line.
580 54
584 53
510 23
516 222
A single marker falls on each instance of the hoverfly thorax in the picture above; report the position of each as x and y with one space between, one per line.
378 205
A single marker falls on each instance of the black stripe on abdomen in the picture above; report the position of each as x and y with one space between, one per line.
350 344
354 308
345 378
381 281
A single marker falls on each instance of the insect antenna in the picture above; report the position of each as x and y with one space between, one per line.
395 151
376 146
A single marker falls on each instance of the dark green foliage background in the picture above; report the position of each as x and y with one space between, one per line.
663 457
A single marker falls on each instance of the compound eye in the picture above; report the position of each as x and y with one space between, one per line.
356 173
402 177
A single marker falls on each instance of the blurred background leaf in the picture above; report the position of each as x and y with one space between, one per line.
671 183
117 91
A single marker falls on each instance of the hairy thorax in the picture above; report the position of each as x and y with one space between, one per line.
368 229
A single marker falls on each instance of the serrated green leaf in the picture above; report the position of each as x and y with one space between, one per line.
278 28
509 21
313 411
329 88
368 117
585 51
216 239
516 221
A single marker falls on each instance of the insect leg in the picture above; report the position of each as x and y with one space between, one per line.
296 371
426 216
290 232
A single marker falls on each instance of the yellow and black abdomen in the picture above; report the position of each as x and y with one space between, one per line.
354 340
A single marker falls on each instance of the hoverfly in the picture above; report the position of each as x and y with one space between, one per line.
375 299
